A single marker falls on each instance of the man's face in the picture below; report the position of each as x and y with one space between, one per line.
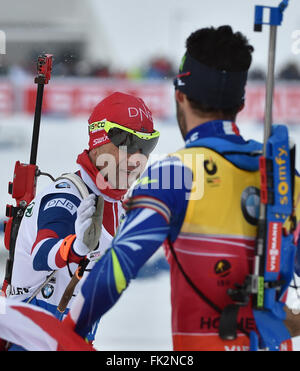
119 168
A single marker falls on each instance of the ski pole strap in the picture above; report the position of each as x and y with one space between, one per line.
81 268
65 246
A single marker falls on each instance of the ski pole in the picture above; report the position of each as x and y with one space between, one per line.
68 293
91 239
40 288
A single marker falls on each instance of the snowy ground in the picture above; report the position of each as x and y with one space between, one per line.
141 319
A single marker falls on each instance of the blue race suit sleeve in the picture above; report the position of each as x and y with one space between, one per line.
169 182
56 220
159 212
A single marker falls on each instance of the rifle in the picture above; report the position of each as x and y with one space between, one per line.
275 247
23 187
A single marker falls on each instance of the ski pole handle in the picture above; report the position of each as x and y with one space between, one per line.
68 293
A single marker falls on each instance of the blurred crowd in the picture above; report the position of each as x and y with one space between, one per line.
68 65
289 72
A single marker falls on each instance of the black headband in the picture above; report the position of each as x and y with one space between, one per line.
209 86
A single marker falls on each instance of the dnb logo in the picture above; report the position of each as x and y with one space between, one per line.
250 201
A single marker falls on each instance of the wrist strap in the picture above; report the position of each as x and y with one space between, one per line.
65 246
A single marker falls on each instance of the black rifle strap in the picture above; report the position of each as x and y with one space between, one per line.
232 309
16 222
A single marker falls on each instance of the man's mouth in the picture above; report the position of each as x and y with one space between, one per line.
128 172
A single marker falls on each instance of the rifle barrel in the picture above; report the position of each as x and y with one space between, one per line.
270 87
36 124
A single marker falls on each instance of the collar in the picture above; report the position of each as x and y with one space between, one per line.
223 137
91 185
97 179
217 128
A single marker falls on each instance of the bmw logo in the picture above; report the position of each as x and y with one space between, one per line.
47 291
250 202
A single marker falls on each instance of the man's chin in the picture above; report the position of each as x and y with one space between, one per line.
126 179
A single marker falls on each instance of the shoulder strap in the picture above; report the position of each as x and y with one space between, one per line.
78 183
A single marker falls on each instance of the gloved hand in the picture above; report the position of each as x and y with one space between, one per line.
88 225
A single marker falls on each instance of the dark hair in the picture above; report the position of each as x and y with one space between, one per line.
222 49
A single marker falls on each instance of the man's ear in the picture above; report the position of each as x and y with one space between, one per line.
179 96
241 107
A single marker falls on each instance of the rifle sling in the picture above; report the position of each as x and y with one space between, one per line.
228 322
